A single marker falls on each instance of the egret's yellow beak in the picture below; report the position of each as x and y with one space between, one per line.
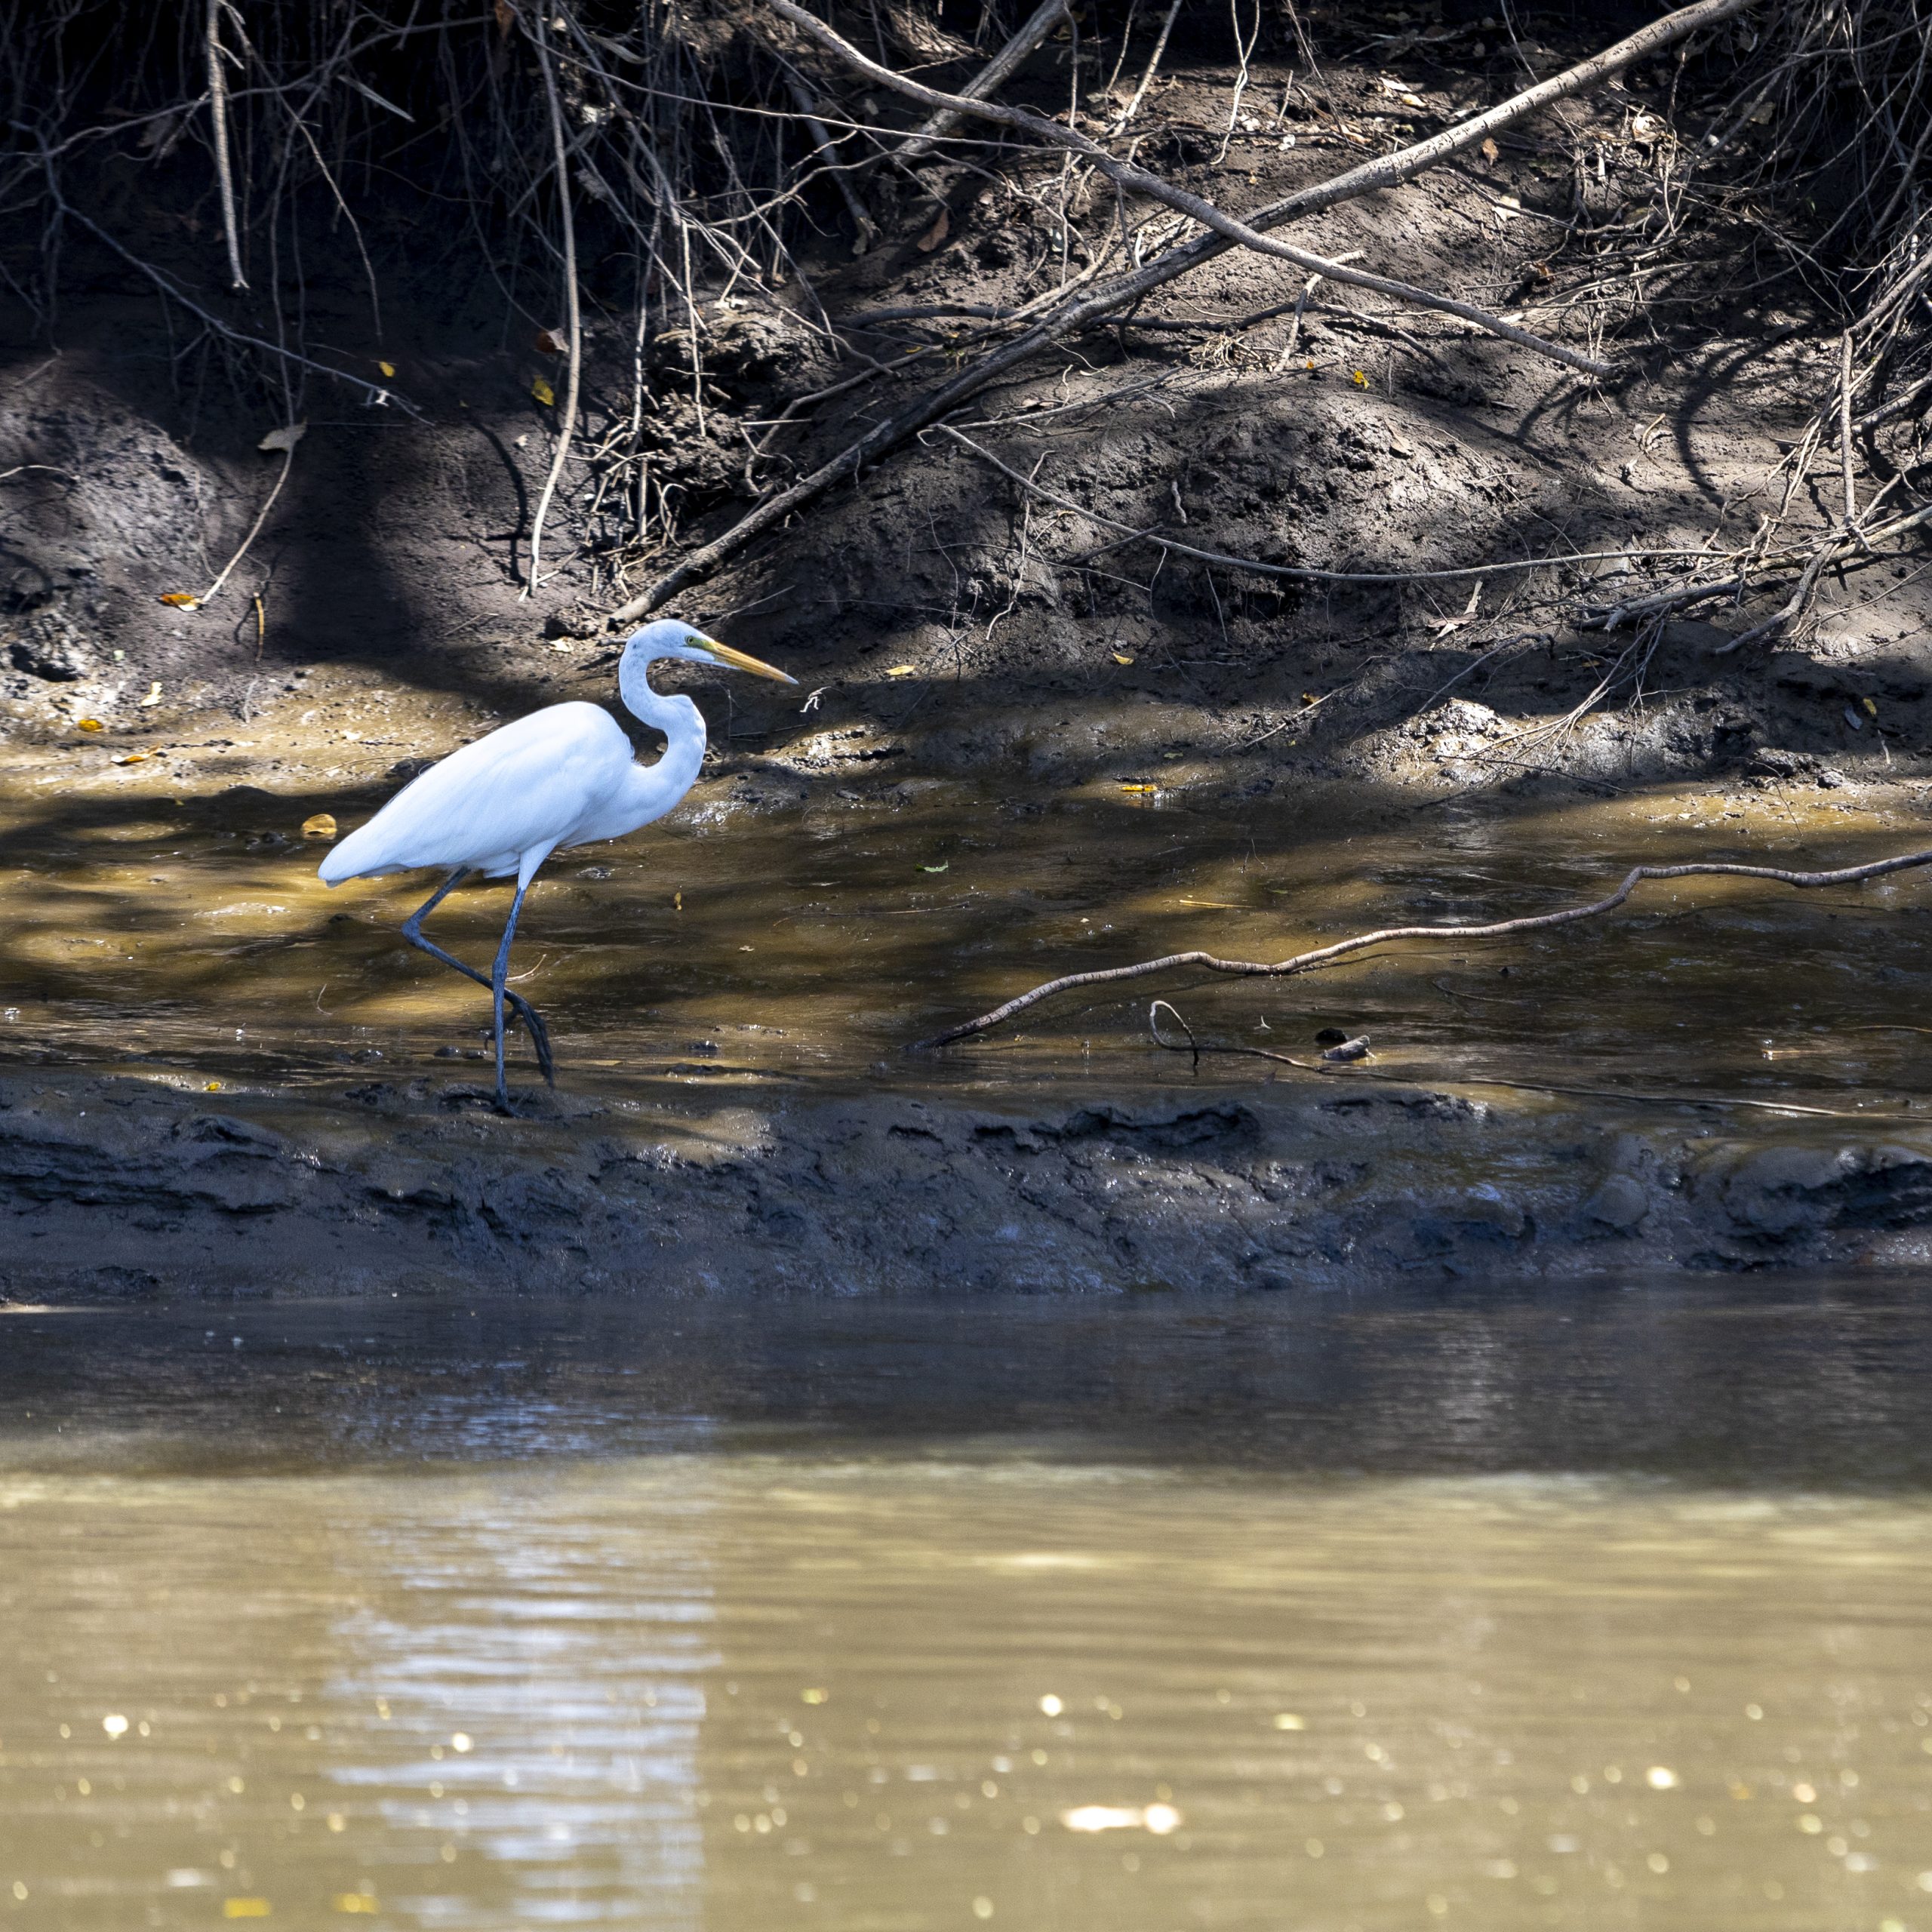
740 660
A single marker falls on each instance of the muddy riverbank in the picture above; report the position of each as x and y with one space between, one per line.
1027 739
125 1189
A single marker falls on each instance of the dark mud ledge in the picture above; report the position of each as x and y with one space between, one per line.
114 1188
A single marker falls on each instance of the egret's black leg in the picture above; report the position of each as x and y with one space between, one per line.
533 1021
498 989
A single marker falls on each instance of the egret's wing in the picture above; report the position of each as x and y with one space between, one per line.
522 787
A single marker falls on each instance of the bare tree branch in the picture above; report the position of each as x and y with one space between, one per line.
1034 29
1306 962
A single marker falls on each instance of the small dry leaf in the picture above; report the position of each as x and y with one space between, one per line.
902 671
154 693
946 867
282 442
551 343
1508 201
241 1908
1359 378
543 393
1140 788
1123 658
131 757
89 725
387 368
941 228
1871 709
248 1908
322 825
182 600
1410 99
1489 150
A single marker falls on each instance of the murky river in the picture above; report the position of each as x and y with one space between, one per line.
1610 1608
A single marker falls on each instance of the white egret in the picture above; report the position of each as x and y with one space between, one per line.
564 776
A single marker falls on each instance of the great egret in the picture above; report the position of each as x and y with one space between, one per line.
563 776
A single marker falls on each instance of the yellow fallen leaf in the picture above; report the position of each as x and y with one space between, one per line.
356 1902
282 442
89 725
387 368
1871 709
902 671
182 600
936 868
1140 788
131 757
814 1697
1359 378
1288 1721
1489 150
214 1086
1410 99
245 1908
322 825
154 693
1123 658
543 393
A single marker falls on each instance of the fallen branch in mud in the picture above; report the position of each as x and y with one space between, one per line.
1836 545
1073 315
1306 962
1127 175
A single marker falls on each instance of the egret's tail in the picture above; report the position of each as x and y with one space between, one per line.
346 859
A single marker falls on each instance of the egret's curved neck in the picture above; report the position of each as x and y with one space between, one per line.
680 720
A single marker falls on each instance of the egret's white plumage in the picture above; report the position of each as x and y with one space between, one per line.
564 776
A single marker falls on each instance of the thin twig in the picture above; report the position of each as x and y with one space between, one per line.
1305 962
1306 572
574 376
254 530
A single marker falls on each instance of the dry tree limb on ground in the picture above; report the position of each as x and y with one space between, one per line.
1324 955
1126 175
1084 310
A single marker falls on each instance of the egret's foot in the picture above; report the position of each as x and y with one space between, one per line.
540 1038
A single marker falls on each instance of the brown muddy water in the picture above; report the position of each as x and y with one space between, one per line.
1608 1608
758 939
